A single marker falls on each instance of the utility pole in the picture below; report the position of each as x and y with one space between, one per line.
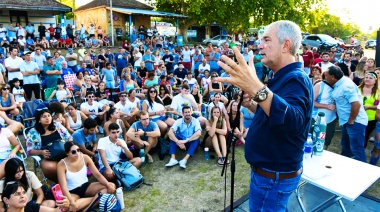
112 38
377 54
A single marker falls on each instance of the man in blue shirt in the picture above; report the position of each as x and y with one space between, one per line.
85 137
283 113
214 58
169 60
110 56
185 134
144 134
121 60
351 113
176 57
198 57
66 70
149 59
83 67
30 30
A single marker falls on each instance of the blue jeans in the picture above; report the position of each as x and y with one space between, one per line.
190 146
270 194
353 141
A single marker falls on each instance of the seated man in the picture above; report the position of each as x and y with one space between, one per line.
30 44
95 42
68 43
144 134
185 134
110 149
85 137
54 43
91 109
128 111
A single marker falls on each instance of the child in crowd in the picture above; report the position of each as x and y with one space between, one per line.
18 92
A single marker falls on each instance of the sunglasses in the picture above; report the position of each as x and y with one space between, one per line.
4 89
16 193
75 151
152 91
45 108
123 95
91 97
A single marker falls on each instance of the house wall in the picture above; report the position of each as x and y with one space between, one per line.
142 20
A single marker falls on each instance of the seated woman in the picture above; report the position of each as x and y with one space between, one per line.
130 84
197 95
161 70
216 127
165 95
72 177
113 116
133 99
128 70
216 87
151 81
74 118
103 94
8 141
44 132
14 171
8 104
156 111
217 103
78 84
62 94
235 114
88 86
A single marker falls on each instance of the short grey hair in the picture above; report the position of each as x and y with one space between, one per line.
288 30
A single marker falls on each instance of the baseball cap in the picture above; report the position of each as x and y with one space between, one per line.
70 50
28 52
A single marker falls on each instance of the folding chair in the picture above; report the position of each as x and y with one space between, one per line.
36 158
48 92
21 152
69 81
28 112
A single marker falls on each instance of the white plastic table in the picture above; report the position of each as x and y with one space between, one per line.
342 176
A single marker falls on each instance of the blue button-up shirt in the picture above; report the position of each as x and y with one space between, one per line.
345 92
276 142
186 130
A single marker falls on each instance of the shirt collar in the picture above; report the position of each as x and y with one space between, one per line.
339 82
296 66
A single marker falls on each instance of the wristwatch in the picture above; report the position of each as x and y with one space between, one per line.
261 95
144 133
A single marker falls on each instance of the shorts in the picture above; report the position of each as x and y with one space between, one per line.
104 168
81 190
118 38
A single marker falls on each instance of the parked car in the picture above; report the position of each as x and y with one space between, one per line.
370 44
218 40
322 41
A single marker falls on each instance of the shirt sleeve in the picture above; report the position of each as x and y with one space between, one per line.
101 144
33 180
154 125
197 125
77 137
176 125
351 94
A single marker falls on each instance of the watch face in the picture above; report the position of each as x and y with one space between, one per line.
262 96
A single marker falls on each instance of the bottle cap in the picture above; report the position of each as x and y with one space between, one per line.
321 114
206 149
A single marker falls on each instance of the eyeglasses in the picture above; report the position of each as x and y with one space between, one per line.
75 151
4 89
152 91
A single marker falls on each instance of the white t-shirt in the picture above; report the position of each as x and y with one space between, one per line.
326 66
135 103
137 62
191 82
4 135
155 108
71 62
186 55
127 108
206 81
94 108
92 30
202 68
112 151
3 31
33 183
14 63
82 30
179 101
22 42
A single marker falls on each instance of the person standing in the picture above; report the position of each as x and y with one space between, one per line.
52 72
148 59
351 113
308 58
346 66
41 30
30 71
274 146
71 58
12 64
30 30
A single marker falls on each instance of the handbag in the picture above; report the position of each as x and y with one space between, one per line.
56 149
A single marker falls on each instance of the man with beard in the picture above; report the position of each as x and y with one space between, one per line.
325 64
347 67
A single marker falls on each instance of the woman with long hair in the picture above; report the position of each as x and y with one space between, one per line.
358 75
371 64
7 101
44 132
216 127
74 118
103 94
165 95
217 103
216 87
157 59
370 93
72 177
234 114
15 172
113 116
88 86
131 84
197 95
133 99
156 110
62 93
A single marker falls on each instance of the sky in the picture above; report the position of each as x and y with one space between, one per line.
365 13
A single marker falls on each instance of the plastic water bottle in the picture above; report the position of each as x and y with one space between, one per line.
207 154
204 110
201 91
319 134
120 197
142 156
308 147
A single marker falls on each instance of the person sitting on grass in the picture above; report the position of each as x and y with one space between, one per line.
185 134
85 138
110 151
144 134
127 110
62 94
113 116
72 177
216 128
91 109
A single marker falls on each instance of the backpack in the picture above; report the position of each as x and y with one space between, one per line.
164 148
128 174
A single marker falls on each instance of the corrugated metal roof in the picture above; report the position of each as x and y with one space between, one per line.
147 12
34 5
115 3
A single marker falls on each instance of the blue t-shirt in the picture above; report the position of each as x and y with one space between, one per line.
81 139
152 126
166 59
214 63
199 60
11 34
148 65
276 142
58 30
51 80
176 58
110 57
66 71
121 62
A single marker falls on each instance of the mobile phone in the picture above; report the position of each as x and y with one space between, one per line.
57 192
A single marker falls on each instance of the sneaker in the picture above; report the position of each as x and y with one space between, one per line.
172 162
182 163
371 139
101 131
150 158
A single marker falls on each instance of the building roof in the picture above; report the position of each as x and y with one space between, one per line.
147 12
34 5
116 3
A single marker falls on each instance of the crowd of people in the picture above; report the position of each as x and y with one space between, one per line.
150 90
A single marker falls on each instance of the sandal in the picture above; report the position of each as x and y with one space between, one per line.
220 161
228 162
